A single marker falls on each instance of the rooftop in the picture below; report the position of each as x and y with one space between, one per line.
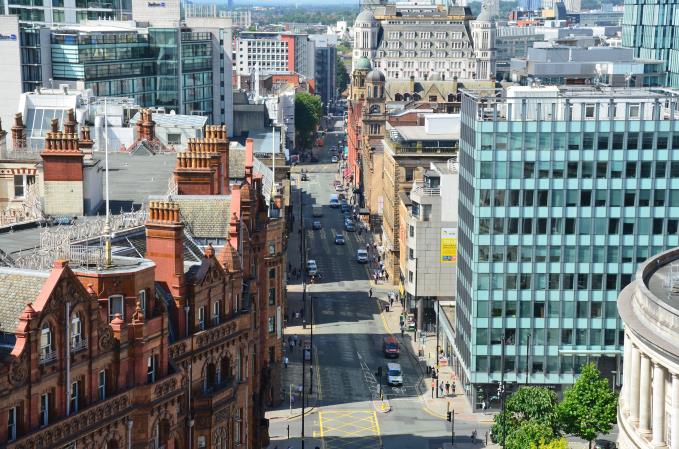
174 120
17 288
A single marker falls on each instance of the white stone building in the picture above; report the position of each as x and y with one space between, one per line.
648 412
420 39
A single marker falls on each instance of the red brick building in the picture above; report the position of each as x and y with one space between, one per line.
153 351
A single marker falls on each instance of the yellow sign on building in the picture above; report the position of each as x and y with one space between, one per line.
448 245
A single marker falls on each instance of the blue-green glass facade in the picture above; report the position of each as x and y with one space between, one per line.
163 67
652 29
560 199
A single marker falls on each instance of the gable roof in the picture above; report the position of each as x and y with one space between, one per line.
236 161
17 288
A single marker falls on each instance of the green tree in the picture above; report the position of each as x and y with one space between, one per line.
528 405
307 117
529 434
589 406
341 74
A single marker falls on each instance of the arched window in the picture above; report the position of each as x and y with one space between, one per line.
406 97
375 109
416 97
210 377
77 341
225 370
47 352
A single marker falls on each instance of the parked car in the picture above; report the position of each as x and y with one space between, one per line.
316 225
339 239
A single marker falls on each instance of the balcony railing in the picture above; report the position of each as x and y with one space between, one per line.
47 356
78 345
419 187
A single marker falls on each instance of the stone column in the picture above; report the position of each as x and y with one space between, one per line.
674 423
658 405
633 393
626 375
645 396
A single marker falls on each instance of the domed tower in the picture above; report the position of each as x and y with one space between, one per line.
483 38
358 77
374 115
366 29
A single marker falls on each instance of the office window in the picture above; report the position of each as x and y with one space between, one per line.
101 388
216 312
142 302
75 393
151 369
201 318
115 306
21 183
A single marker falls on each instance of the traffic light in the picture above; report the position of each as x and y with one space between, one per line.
449 416
378 374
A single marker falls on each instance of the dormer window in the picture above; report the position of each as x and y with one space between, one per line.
47 353
115 306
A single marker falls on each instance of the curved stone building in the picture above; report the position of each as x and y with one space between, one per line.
648 413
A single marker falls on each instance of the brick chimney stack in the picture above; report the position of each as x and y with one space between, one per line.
165 247
249 159
70 124
18 132
63 170
219 134
85 143
194 173
146 126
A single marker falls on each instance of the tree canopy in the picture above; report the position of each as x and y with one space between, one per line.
307 117
589 407
341 74
533 418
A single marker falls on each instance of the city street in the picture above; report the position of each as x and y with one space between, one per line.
348 330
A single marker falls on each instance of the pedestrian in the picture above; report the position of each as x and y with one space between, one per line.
403 330
386 275
441 389
285 361
474 436
370 293
483 406
447 388
291 345
391 300
433 388
486 438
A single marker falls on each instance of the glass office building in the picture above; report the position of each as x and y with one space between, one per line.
158 67
652 30
563 191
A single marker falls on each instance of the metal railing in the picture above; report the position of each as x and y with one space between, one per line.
419 187
78 345
47 356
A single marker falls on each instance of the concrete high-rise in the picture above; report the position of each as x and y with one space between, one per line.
562 192
649 29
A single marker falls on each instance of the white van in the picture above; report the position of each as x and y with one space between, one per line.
362 256
334 201
394 374
311 267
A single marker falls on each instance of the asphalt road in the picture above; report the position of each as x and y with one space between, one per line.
348 331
